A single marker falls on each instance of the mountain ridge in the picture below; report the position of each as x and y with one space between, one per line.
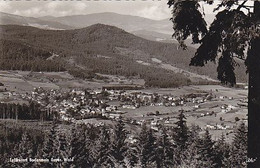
130 23
126 22
107 49
11 19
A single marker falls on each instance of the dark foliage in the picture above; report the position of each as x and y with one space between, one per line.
147 146
92 146
32 111
232 36
18 56
118 146
227 36
187 21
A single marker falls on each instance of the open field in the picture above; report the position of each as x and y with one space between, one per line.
223 97
25 81
223 109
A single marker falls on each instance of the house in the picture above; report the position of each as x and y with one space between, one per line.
128 106
210 126
221 97
155 128
197 106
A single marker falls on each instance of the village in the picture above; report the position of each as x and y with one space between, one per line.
213 107
207 109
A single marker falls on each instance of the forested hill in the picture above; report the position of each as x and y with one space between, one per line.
99 48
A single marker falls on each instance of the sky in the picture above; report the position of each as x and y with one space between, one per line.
152 9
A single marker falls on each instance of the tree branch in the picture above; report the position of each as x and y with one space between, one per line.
242 5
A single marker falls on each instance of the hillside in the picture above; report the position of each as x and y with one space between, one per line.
155 30
162 28
104 49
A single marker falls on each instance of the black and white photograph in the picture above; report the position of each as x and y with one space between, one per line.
129 84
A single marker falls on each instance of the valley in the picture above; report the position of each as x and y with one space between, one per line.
124 75
84 89
214 107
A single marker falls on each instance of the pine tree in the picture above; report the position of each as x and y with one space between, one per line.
239 147
206 154
75 145
146 147
25 150
222 152
234 34
181 132
63 149
103 150
180 137
189 157
119 147
80 148
132 154
164 151
49 149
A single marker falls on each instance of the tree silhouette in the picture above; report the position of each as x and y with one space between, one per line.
103 148
189 157
132 154
239 148
146 146
207 157
63 149
80 147
181 132
222 151
118 148
25 149
180 137
164 150
233 35
49 149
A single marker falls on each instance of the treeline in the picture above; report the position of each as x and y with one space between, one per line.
36 65
80 73
165 79
91 146
153 76
32 111
17 56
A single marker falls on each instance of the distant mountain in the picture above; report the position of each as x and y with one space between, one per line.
155 30
10 19
160 37
126 22
103 49
154 36
139 26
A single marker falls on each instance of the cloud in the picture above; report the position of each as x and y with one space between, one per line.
148 9
155 11
57 8
52 5
29 12
43 8
5 5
